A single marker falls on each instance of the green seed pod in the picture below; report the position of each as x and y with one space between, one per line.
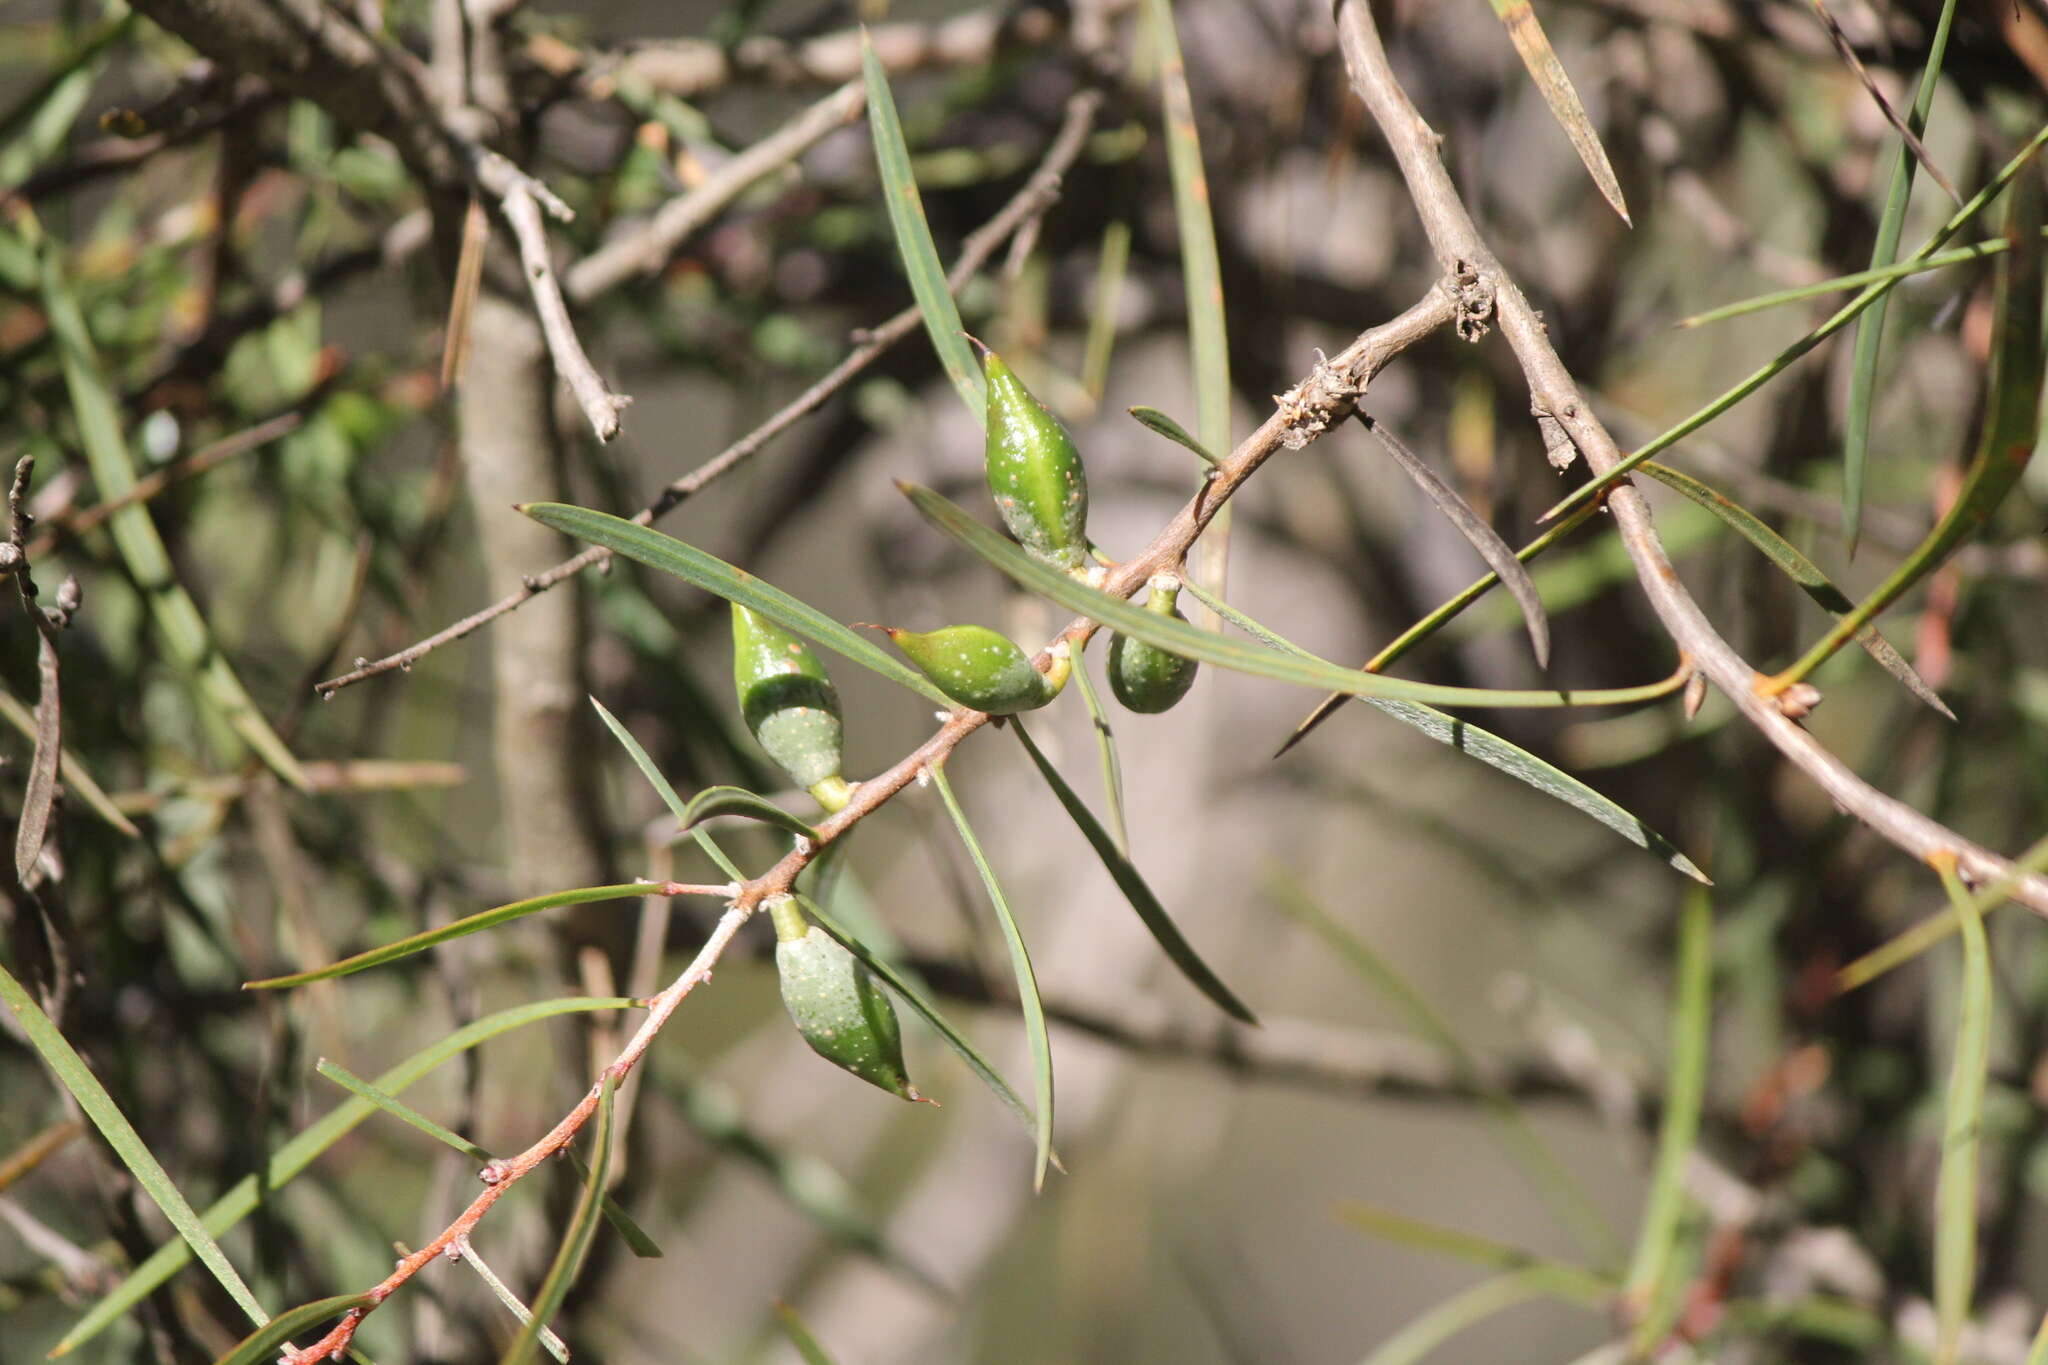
789 704
1145 678
840 1010
982 669
1034 471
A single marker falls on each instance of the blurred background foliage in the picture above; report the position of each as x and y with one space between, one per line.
1468 991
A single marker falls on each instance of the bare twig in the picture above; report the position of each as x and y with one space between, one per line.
647 246
1033 199
1459 245
81 520
521 198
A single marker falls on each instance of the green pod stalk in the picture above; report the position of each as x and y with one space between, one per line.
1034 472
836 1004
1145 678
789 704
982 669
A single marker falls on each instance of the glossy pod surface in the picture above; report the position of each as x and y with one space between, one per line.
1145 678
1034 472
837 1005
788 702
982 669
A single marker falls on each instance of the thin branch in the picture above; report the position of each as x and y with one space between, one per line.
1458 245
521 198
39 792
1037 195
1904 129
647 246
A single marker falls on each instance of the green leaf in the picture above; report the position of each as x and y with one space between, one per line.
1202 277
1477 532
1841 318
184 630
1801 571
666 792
470 924
713 802
1654 1268
575 1240
1870 330
914 239
262 1346
1839 284
715 576
636 1238
800 1336
1567 1281
1121 870
1533 46
77 1079
1020 964
1962 1125
1110 267
929 1012
1905 947
1179 637
286 1163
1470 1308
1154 420
1112 766
2012 424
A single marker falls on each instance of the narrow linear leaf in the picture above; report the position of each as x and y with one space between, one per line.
1655 1265
576 1238
667 793
1511 1128
800 1336
1955 1197
177 619
77 1079
2012 423
1112 766
929 1012
1903 948
1154 420
636 1238
1201 275
470 924
1110 267
1778 364
1891 225
76 778
1569 1281
1155 628
289 1160
914 239
1476 531
39 791
713 802
1020 964
1839 284
1801 571
501 1291
1121 870
262 1346
720 579
1533 46
1468 1309
1445 613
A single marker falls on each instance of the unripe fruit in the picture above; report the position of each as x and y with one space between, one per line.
836 1004
789 704
982 669
1034 472
1145 678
